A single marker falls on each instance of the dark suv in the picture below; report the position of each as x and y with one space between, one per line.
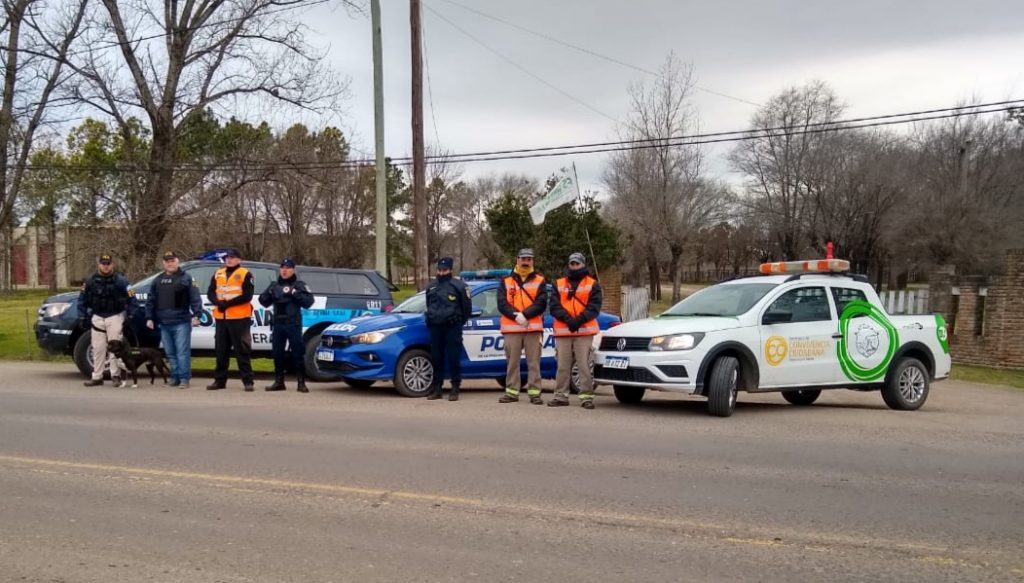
340 295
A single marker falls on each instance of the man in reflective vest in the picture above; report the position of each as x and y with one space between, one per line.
575 309
522 299
231 291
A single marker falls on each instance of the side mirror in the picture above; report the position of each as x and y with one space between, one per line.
476 312
777 318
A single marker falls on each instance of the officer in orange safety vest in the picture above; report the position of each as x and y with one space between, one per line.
575 309
230 292
522 299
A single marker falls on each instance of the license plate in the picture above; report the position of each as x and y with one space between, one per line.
618 362
327 355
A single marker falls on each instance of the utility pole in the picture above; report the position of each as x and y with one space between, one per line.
419 171
378 126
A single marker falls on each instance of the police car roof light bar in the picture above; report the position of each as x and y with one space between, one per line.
813 266
485 274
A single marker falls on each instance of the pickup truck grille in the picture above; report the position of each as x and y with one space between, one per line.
632 374
611 343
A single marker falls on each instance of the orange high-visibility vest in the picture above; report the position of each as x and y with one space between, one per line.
229 288
521 297
575 306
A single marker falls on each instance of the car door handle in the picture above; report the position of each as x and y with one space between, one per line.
837 335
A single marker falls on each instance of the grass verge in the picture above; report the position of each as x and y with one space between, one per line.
988 376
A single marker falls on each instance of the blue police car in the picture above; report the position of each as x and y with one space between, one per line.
396 346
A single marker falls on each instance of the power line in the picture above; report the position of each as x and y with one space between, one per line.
508 60
697 139
587 51
430 88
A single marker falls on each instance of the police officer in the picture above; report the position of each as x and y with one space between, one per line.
288 295
101 307
174 306
522 299
231 290
575 306
448 310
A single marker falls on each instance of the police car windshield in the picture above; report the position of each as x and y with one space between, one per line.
417 304
145 282
721 300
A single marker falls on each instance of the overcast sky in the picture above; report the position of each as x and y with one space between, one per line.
881 56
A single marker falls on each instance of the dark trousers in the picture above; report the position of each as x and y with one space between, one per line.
233 336
446 348
290 335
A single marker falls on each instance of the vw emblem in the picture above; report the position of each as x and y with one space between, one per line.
621 344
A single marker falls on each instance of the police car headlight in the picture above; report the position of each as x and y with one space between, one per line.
54 310
676 341
374 337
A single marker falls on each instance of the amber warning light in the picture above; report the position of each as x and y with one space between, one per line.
813 266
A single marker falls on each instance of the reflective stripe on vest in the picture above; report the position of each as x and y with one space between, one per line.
229 288
575 306
521 297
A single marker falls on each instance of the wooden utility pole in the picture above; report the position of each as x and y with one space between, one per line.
378 127
419 170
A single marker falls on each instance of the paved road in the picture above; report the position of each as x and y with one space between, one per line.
157 484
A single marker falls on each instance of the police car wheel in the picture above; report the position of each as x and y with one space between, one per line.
574 378
313 372
358 383
723 386
414 374
802 397
906 387
629 395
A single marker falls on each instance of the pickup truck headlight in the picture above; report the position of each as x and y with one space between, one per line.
374 337
676 341
54 310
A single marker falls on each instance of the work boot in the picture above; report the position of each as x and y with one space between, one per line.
536 400
301 382
454 395
216 386
278 385
507 398
586 404
558 403
434 395
93 382
249 388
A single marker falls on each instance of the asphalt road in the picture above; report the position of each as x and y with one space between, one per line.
158 484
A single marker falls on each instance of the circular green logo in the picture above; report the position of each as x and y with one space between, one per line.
868 342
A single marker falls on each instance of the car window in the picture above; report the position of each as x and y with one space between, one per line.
417 304
357 284
807 304
845 295
262 278
320 282
487 301
203 275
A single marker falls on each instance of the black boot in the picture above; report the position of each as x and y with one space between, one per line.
435 393
302 384
454 395
278 384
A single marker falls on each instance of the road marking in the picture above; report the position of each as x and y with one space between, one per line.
804 540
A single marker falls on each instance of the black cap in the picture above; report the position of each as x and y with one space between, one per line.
232 252
168 255
105 258
445 263
288 262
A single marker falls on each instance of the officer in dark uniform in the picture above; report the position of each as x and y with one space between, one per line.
288 295
101 310
448 310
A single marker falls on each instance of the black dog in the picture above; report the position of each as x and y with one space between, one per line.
133 358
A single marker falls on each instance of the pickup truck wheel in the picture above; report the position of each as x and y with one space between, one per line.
629 395
906 388
802 397
313 372
414 375
82 354
723 385
359 383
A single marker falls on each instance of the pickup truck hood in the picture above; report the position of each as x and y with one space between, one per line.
666 325
373 323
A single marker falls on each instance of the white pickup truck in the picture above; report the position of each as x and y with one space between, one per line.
801 328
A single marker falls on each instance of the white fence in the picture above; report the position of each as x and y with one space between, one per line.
636 303
905 301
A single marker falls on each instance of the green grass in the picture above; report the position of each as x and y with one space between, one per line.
17 317
989 376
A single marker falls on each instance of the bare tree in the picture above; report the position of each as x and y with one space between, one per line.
779 164
177 60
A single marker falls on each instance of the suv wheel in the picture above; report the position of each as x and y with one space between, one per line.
414 374
802 397
723 385
82 354
906 388
629 395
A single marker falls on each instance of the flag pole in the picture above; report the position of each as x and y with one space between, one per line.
586 231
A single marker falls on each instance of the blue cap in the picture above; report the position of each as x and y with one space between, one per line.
288 262
445 263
